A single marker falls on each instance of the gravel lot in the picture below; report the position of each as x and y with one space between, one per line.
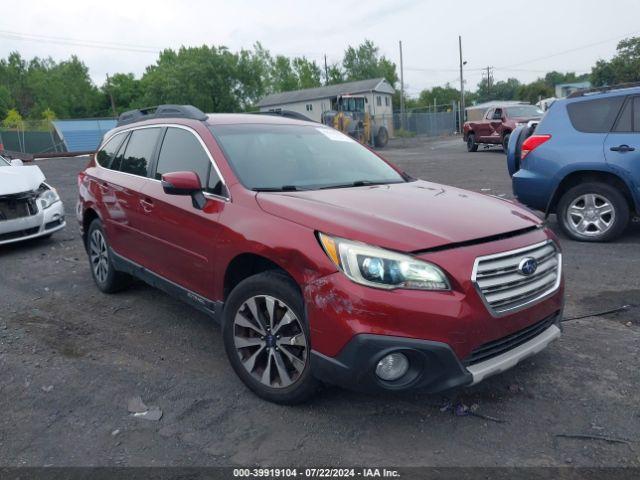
71 358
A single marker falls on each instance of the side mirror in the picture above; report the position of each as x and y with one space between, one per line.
184 183
16 162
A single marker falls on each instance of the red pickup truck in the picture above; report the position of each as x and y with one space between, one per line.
497 124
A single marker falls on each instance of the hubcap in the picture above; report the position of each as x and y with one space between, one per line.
270 341
99 255
591 215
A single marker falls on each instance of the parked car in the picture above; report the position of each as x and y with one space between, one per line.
29 207
498 123
322 261
582 162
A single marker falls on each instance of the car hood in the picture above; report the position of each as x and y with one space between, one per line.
20 179
406 217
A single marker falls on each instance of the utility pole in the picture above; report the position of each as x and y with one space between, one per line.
461 83
326 71
401 89
488 81
113 103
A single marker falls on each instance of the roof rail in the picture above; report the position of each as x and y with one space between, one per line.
619 86
285 114
161 111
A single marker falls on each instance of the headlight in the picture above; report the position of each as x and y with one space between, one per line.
376 267
47 196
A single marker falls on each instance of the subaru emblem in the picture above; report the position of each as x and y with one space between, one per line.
528 266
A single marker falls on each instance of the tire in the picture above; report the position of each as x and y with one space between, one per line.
505 142
382 138
582 212
254 340
472 146
104 274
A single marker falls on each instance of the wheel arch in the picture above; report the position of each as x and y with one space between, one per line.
88 216
577 177
244 265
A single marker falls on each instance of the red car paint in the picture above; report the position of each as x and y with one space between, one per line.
196 248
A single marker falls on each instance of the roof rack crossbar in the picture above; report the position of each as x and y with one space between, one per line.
608 88
161 111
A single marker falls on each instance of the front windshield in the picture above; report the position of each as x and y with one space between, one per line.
299 157
3 162
524 111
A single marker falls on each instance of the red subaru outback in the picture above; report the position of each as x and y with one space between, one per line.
322 261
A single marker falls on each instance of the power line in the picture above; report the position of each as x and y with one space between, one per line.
79 43
569 51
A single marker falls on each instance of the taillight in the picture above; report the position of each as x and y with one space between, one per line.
531 143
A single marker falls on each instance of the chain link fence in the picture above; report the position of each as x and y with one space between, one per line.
31 137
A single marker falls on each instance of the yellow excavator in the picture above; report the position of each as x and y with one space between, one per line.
351 117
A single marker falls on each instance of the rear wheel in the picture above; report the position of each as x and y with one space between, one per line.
267 340
107 278
593 212
505 142
472 146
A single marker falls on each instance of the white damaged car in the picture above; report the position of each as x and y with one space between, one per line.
29 208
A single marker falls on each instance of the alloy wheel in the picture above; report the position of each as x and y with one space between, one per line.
270 341
99 255
590 215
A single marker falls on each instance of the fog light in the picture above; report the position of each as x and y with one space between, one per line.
392 367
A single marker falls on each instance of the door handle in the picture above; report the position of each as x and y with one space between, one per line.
146 204
622 148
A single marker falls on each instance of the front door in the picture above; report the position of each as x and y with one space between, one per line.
622 145
180 238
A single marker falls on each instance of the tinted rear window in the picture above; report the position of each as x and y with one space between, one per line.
595 116
139 150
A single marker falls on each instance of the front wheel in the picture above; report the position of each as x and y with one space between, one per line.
382 138
472 146
593 212
267 340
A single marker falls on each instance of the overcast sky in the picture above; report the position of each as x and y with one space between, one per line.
519 39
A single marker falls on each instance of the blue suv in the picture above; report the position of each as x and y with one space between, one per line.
582 162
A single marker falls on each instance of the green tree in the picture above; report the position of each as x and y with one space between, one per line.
535 91
365 62
308 73
126 91
283 77
622 68
13 120
441 95
202 76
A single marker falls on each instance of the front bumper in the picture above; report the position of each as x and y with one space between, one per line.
44 222
434 366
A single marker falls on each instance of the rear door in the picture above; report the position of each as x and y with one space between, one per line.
622 145
128 174
180 238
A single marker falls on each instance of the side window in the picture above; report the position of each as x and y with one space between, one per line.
105 155
489 114
595 116
497 115
386 101
624 122
379 101
214 184
181 151
138 152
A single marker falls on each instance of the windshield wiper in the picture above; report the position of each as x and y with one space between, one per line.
357 183
284 188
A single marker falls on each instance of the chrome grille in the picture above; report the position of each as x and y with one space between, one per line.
504 288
